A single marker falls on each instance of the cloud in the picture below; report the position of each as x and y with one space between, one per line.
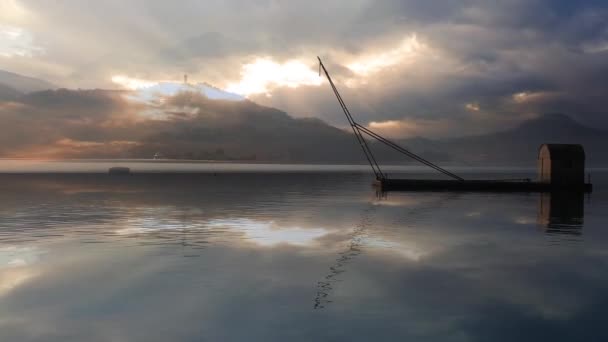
11 11
472 107
264 74
132 83
399 59
17 42
408 128
405 52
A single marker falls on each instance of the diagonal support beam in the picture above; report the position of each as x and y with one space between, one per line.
406 152
358 129
360 138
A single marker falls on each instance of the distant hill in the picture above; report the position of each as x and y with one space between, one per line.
520 144
224 129
202 122
98 123
251 131
22 84
8 94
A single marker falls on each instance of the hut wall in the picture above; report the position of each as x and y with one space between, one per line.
544 165
561 164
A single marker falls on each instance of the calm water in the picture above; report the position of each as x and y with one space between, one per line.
296 256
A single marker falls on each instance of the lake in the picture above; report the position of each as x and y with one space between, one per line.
293 253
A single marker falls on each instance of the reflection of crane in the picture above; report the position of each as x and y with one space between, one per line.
357 240
358 130
353 249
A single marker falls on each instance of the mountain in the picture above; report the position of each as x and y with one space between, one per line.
8 94
243 129
198 121
22 84
520 144
98 123
251 131
228 129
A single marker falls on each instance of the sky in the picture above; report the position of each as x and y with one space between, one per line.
405 67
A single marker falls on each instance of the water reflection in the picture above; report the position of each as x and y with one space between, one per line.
352 250
289 257
562 212
15 266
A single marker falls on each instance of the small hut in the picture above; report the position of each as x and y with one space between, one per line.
561 164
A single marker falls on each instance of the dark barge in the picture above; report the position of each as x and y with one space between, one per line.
476 185
561 167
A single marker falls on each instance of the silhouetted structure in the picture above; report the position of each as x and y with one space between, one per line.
565 165
562 164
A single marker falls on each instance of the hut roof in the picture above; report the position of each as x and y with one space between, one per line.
565 151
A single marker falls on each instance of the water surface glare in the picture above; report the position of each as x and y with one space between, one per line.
296 256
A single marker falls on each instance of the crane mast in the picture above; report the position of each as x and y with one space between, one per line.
360 130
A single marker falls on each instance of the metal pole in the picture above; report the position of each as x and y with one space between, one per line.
406 152
364 146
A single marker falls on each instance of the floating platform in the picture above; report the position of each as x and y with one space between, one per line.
477 186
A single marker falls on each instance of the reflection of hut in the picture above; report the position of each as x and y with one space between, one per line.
562 212
562 164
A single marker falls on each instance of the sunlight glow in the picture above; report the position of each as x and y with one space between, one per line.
527 96
410 127
393 128
11 11
473 107
407 51
259 232
264 74
268 234
385 124
155 92
520 97
132 83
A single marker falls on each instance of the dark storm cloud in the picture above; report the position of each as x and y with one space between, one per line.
495 51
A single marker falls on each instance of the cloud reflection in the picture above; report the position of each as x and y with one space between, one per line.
15 266
262 233
417 268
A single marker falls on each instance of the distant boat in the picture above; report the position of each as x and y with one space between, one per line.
159 155
119 170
